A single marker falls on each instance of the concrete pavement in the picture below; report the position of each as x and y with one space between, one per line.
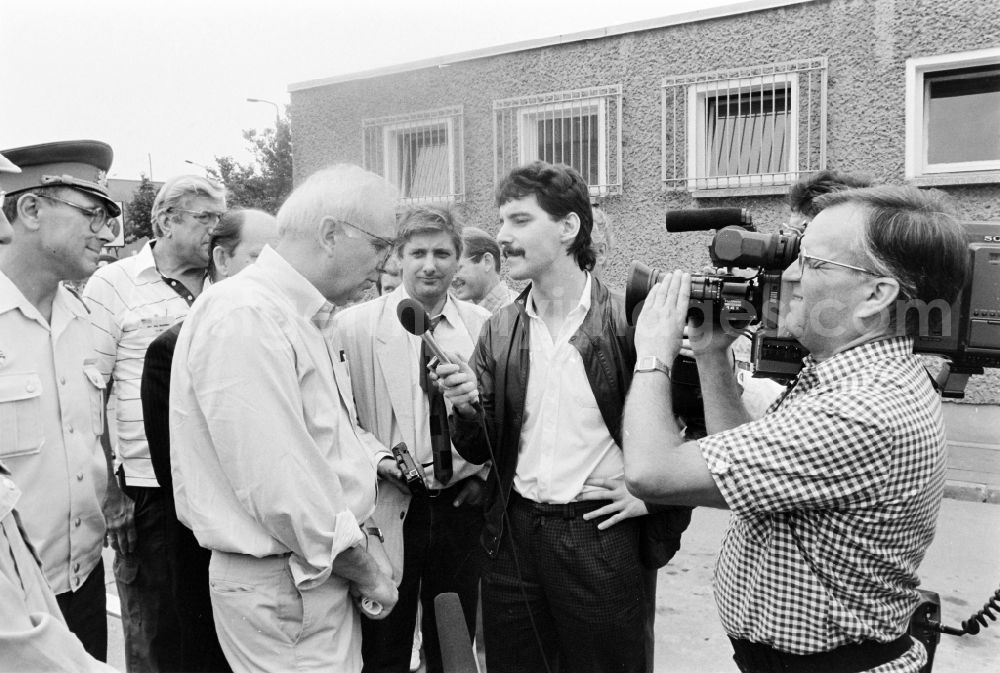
961 565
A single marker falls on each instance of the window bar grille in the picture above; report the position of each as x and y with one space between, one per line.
822 118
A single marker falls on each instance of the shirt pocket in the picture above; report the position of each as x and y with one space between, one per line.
21 431
95 391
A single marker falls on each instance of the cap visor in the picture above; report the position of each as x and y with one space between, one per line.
6 166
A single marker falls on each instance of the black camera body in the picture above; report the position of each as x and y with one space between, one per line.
970 341
734 301
413 472
967 334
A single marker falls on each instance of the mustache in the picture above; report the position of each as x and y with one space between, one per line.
511 251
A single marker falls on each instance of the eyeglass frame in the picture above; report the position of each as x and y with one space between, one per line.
92 213
802 257
391 245
199 215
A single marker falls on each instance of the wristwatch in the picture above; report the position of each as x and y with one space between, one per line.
650 363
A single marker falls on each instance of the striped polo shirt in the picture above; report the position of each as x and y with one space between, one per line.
130 305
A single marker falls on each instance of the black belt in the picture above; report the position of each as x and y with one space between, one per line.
850 658
447 490
569 510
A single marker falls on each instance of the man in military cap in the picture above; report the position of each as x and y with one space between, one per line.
50 386
132 302
6 231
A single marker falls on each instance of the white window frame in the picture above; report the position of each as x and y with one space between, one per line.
699 94
527 122
916 101
390 143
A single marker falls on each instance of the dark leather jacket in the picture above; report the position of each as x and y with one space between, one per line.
500 362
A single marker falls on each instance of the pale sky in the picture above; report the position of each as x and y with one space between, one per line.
167 81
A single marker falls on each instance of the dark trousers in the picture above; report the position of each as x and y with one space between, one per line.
585 591
163 585
441 554
85 612
149 615
200 649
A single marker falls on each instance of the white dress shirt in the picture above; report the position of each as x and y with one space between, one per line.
266 459
453 337
564 440
51 406
130 305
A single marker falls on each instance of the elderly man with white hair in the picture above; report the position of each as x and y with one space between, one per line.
276 478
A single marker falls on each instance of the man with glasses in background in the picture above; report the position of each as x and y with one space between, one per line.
835 492
131 302
270 469
51 390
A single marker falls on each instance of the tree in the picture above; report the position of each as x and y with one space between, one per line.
267 180
138 211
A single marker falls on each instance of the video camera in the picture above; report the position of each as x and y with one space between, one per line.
967 335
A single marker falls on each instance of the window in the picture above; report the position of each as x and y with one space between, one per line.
953 113
418 153
751 127
580 128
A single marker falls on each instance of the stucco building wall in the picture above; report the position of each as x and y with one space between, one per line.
866 44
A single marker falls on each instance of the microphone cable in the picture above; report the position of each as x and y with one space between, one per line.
505 520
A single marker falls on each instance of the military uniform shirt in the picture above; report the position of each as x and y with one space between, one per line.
51 419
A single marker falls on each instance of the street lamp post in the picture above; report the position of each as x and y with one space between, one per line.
277 109
201 166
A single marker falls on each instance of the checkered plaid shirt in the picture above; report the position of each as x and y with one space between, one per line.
834 495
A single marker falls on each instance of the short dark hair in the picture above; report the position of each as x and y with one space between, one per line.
803 194
911 235
429 219
226 234
560 190
477 243
10 201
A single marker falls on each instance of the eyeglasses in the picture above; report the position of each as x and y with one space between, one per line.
383 241
803 257
207 217
98 215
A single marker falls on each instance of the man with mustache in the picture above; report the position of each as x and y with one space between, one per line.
51 391
131 302
568 584
431 531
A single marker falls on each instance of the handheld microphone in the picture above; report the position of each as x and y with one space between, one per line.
415 320
703 219
456 647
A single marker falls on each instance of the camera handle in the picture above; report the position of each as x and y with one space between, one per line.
926 626
952 379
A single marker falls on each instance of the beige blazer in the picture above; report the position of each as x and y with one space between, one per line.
376 348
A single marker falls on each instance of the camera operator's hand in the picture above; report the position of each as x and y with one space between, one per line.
458 384
660 327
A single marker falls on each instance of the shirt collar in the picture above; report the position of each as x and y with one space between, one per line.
449 311
145 263
583 305
851 360
12 298
304 296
